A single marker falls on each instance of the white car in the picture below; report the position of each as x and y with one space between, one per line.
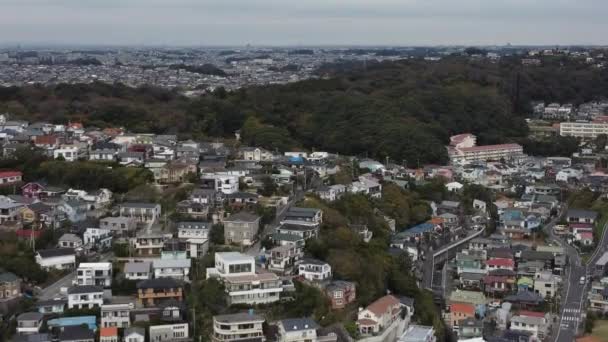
582 282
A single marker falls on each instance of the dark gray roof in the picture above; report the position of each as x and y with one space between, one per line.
8 277
41 337
85 289
139 205
296 227
138 267
238 317
30 316
76 333
56 252
525 297
297 324
582 213
242 216
407 301
160 283
193 225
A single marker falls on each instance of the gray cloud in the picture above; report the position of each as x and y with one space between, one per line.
289 22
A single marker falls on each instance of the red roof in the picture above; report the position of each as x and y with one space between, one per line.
532 314
108 332
500 262
463 307
6 174
491 147
45 140
382 305
586 235
581 225
27 233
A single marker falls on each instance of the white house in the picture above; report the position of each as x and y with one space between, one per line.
98 237
297 330
367 186
10 212
68 240
85 297
141 212
242 283
332 192
454 186
138 270
172 268
226 184
378 315
168 332
29 323
134 334
569 174
314 270
196 235
68 152
531 322
116 315
94 273
58 258
118 225
237 327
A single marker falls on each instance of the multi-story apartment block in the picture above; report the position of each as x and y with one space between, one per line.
94 273
120 226
242 283
463 149
585 130
148 243
116 315
85 297
238 327
141 212
241 228
153 291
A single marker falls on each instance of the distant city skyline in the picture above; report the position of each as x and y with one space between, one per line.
309 22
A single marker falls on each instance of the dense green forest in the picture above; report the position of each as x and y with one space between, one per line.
405 110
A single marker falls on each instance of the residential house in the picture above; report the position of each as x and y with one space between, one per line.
85 297
499 282
104 154
58 258
297 330
241 228
535 322
197 236
378 315
238 327
98 238
459 312
169 332
76 333
134 334
193 209
581 216
29 323
149 242
470 328
108 334
138 270
10 177
94 273
546 284
116 315
52 306
303 216
366 185
178 269
141 212
68 240
331 193
340 293
153 291
283 258
297 232
119 226
256 154
500 263
10 212
242 283
314 270
10 291
418 333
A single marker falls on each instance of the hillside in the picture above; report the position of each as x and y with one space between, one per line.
405 110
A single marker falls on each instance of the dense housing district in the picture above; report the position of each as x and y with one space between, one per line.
238 243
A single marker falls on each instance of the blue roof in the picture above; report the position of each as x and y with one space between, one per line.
512 215
420 229
91 321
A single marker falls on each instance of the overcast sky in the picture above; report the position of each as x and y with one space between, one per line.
304 22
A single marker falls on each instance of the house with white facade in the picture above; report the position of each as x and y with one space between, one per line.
297 330
141 212
138 270
178 269
58 258
29 323
196 235
119 226
314 270
169 332
116 315
68 240
85 297
94 273
378 315
242 283
238 327
533 322
366 185
99 238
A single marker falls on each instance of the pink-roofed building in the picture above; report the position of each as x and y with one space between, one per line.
586 238
500 263
10 177
463 150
